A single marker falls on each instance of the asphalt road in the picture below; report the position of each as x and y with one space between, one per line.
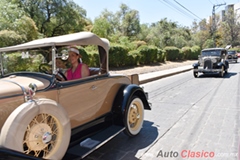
192 118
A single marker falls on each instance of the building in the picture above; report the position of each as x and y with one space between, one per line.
235 7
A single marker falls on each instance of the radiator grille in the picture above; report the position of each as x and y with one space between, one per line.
208 64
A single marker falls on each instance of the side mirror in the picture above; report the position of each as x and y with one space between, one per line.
64 55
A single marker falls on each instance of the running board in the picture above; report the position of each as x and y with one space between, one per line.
92 143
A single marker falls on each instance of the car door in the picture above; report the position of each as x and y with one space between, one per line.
88 98
80 99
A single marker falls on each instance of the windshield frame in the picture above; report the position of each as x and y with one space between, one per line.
54 69
208 53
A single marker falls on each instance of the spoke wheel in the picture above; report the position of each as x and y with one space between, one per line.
42 136
134 116
40 128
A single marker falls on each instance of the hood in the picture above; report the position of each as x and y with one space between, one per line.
13 85
206 57
214 59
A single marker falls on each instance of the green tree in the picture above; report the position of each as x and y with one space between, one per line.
15 27
26 27
201 32
231 28
9 38
124 22
55 17
209 43
101 27
166 33
130 23
143 34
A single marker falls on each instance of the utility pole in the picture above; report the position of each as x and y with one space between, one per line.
214 22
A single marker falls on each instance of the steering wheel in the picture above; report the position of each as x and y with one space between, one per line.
45 68
60 76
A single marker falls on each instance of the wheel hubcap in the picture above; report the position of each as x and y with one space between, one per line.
133 116
39 136
47 137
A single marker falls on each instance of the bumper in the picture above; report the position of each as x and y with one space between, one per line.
207 70
232 60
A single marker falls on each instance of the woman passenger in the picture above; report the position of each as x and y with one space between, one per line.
78 69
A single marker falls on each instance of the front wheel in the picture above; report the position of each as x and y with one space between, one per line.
133 118
195 74
221 73
226 71
41 129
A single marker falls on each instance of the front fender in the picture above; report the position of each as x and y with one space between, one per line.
220 64
227 64
123 98
131 90
195 65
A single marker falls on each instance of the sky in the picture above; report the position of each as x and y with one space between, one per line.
183 12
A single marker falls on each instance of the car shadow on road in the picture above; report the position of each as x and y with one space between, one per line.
127 148
226 75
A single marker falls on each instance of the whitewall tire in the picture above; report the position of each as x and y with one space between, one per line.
41 128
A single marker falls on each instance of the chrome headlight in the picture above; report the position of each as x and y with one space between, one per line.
214 60
32 88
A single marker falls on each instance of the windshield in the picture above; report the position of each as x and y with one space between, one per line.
231 52
211 53
37 60
24 61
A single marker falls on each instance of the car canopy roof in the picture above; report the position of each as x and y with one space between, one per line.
81 38
210 49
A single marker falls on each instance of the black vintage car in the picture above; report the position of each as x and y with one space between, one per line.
211 60
232 56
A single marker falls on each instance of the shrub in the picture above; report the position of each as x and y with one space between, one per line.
180 55
195 51
94 59
139 43
117 56
148 54
136 57
172 53
161 56
186 51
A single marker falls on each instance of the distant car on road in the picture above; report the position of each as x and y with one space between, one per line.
211 60
232 56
